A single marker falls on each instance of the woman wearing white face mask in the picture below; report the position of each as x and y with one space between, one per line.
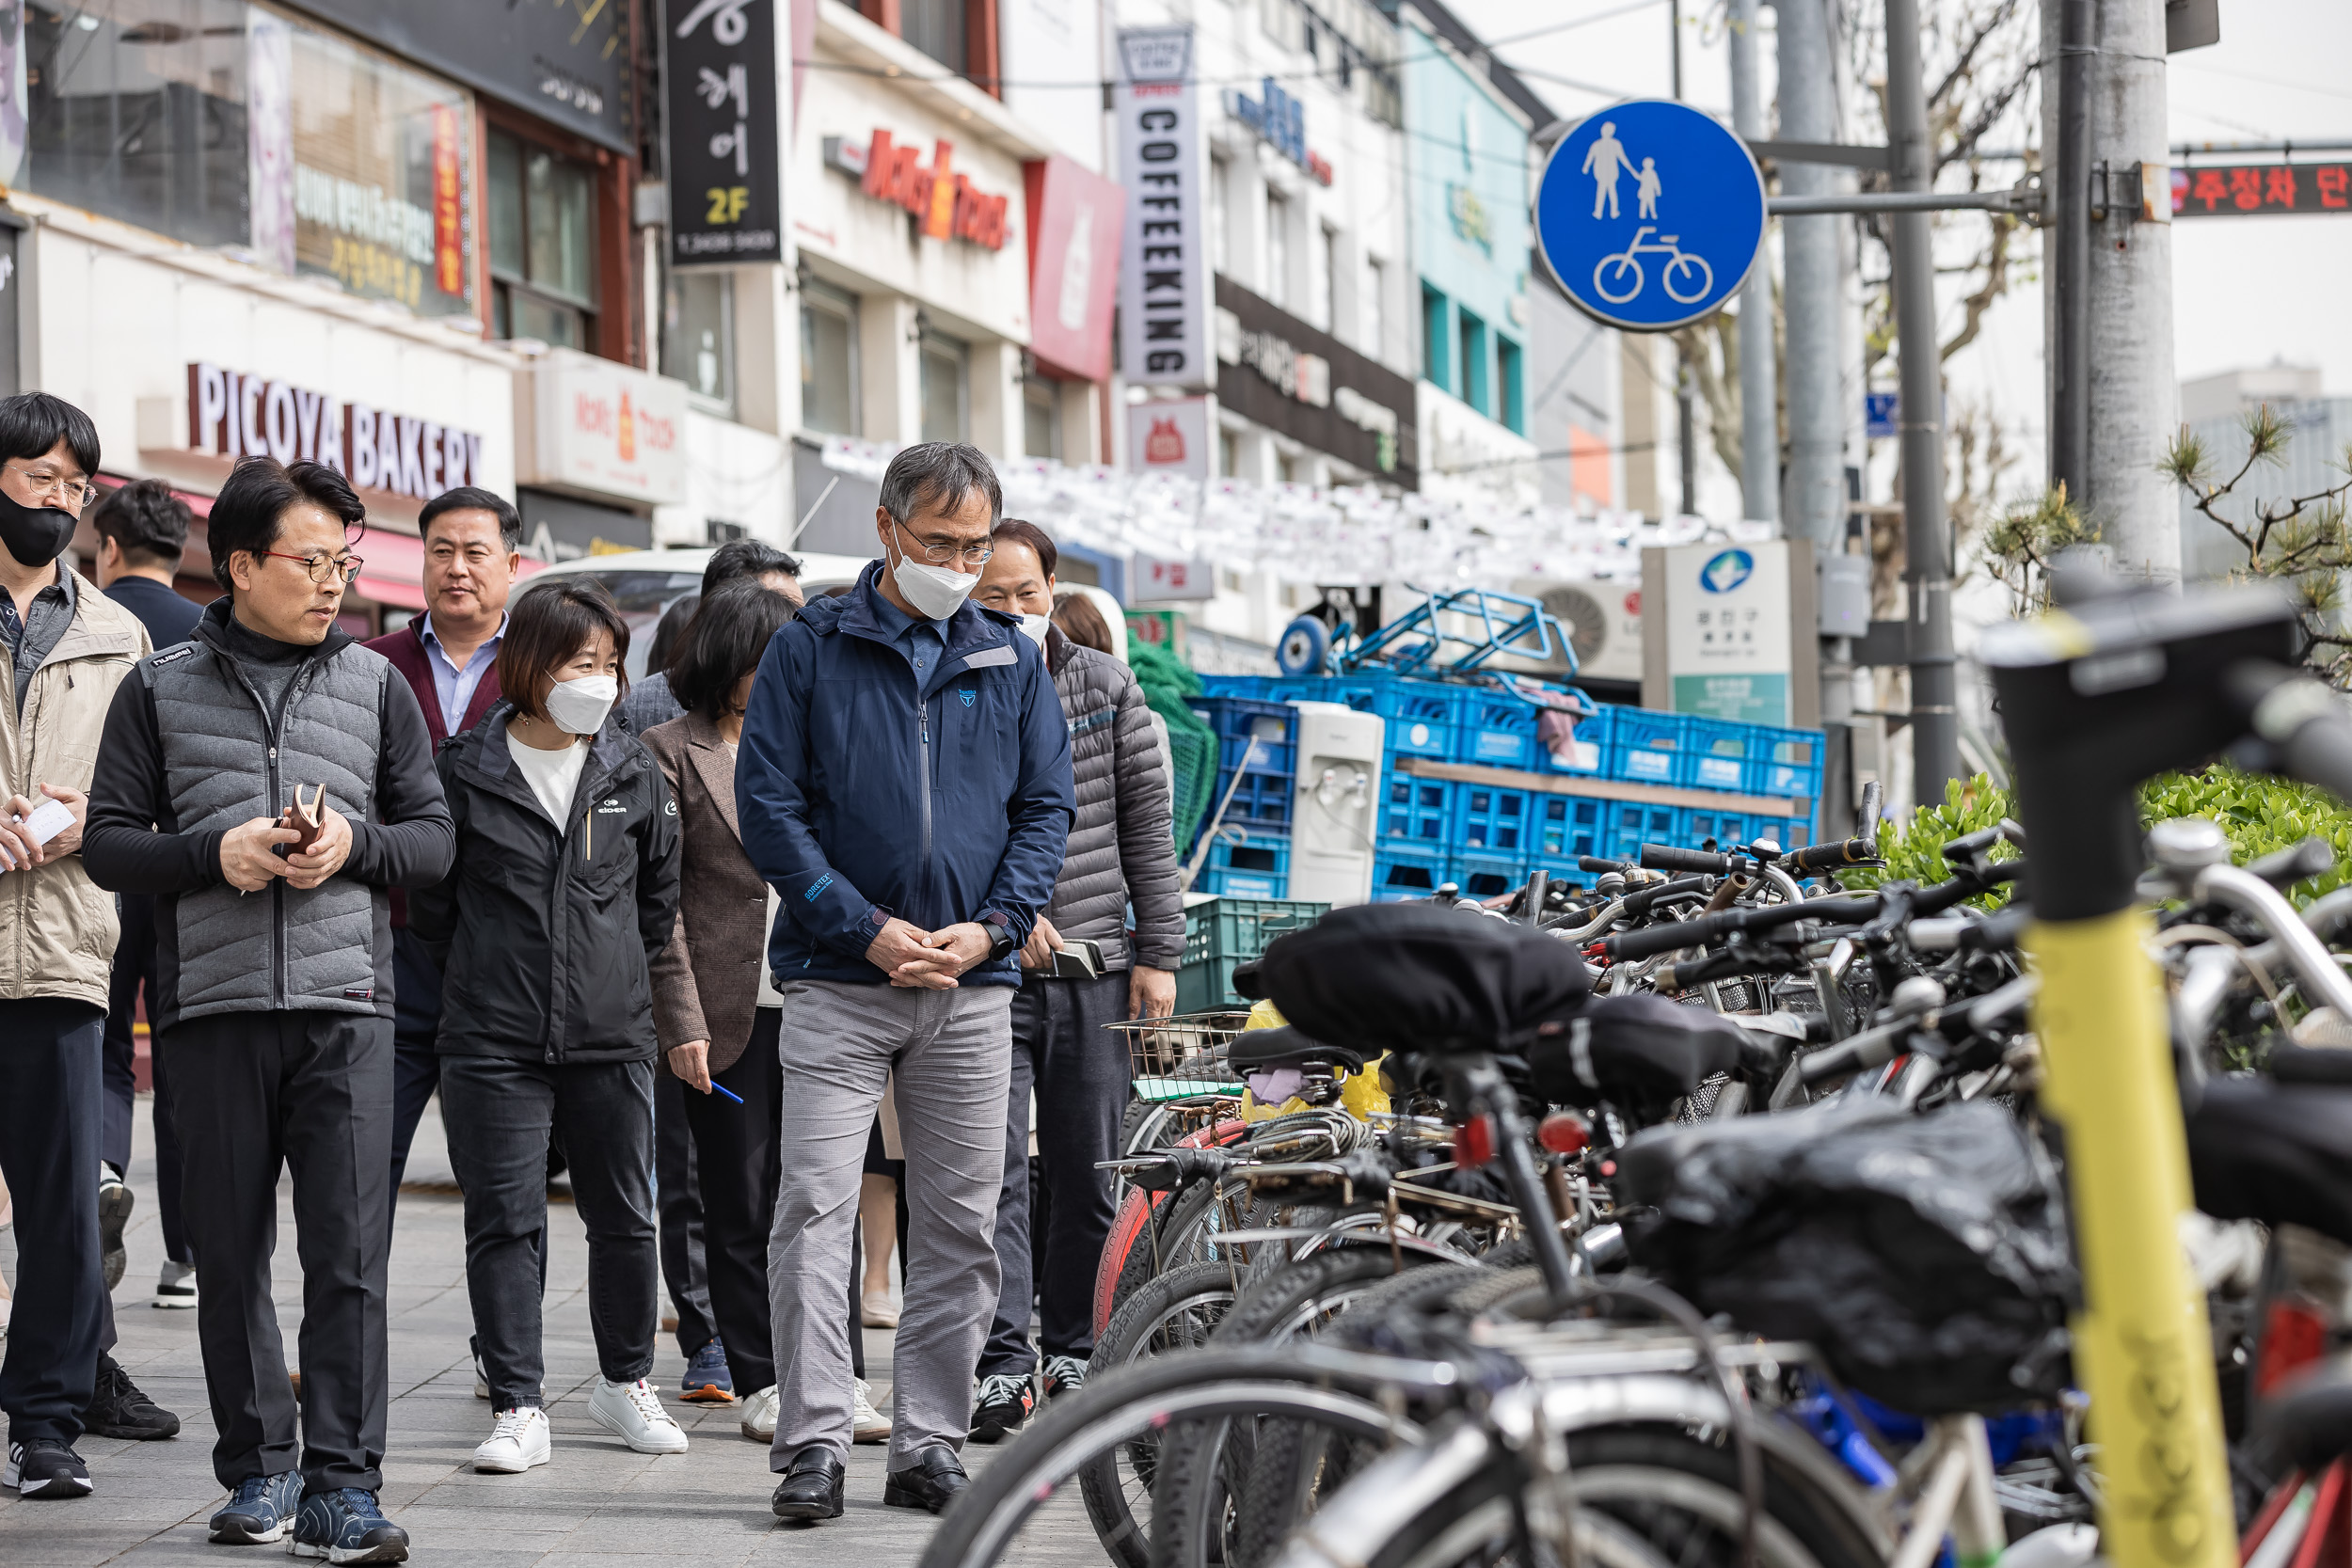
564 887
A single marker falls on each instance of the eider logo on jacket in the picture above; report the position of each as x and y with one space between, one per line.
968 694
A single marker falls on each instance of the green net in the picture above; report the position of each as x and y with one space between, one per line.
1167 682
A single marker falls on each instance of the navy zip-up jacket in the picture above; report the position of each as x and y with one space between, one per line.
863 792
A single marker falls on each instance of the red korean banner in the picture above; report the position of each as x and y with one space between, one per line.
2240 190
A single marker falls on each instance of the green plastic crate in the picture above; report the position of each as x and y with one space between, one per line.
1220 934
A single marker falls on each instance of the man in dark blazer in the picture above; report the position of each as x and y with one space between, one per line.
449 656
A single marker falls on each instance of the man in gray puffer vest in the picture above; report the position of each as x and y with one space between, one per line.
274 984
1122 852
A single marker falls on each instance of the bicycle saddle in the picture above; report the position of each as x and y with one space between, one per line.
1638 1053
1288 1047
1420 977
2310 1421
2275 1152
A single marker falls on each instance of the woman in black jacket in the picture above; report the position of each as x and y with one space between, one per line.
565 884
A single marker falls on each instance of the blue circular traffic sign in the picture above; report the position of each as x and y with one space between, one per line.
1650 215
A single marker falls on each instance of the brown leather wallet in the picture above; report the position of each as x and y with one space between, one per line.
307 817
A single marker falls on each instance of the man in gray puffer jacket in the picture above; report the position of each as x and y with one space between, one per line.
1122 852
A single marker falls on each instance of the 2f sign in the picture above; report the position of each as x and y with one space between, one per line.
727 203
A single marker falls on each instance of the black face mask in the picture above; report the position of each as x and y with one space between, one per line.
34 535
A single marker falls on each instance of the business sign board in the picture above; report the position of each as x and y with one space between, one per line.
1729 647
1650 215
607 429
1171 436
2249 190
1075 218
233 415
945 204
1294 377
1153 579
1164 263
719 106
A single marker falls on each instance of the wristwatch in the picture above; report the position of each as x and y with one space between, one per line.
1001 939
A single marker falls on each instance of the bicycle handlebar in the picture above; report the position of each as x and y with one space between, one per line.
1642 902
2304 723
1666 857
1825 857
1600 867
1654 940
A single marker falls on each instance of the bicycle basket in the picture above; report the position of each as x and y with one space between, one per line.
1183 1055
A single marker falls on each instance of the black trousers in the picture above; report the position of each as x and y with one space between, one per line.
312 1091
416 1024
1078 1068
135 967
741 1162
500 1114
678 1205
49 1119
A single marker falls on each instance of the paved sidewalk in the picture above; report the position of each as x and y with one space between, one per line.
595 1502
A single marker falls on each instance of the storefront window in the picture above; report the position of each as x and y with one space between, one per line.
828 369
221 123
937 28
945 414
1040 416
698 336
543 238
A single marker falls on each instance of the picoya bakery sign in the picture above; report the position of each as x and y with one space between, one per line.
234 415
945 204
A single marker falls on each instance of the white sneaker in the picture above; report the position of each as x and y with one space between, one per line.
759 1415
634 1412
866 1424
518 1441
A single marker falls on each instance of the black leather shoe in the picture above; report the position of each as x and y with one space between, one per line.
931 1481
811 1489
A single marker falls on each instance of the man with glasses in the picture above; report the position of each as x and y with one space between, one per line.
903 784
274 978
68 647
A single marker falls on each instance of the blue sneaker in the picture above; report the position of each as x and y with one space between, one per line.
346 1526
707 1380
257 1511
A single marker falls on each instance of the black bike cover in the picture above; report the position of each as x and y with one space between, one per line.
2281 1153
1637 1052
1926 1257
1421 977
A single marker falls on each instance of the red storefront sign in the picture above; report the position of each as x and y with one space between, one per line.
945 201
2234 190
1075 219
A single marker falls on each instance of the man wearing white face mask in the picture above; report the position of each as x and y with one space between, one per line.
564 889
903 784
1121 853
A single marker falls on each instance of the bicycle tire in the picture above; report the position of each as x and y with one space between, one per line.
978 1531
1196 1288
1712 1473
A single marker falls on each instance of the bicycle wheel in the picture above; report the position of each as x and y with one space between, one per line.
1179 1310
1689 266
1017 1510
1682 1495
1618 277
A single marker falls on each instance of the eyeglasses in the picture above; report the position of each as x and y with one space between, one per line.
940 555
323 568
48 484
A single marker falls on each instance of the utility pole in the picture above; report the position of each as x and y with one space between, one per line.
2068 181
1759 414
2128 295
1928 537
1686 425
1813 300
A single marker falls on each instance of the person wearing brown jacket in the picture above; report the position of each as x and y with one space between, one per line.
715 1009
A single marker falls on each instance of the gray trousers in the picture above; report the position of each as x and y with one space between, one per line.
952 1052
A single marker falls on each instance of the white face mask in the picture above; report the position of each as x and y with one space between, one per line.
1033 627
579 706
935 592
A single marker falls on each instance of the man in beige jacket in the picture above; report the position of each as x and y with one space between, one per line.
67 647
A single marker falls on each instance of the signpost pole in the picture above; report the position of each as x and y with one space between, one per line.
1928 537
1686 423
1759 413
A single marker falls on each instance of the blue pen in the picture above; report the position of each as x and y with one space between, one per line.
722 1088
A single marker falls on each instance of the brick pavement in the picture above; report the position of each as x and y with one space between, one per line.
597 1503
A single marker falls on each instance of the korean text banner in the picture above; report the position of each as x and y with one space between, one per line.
1165 308
720 105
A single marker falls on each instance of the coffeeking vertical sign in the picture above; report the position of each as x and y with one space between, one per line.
719 98
1163 301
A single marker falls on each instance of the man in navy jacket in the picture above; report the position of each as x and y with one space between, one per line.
903 784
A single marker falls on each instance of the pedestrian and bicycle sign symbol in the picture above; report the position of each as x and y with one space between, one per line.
1650 215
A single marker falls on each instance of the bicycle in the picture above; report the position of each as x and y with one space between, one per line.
1622 265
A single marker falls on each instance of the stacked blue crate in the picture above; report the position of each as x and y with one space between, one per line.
1246 864
1416 824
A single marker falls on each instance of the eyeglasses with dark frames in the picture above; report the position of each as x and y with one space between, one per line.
323 568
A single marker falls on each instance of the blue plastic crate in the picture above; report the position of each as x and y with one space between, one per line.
1261 801
1253 865
1487 875
1727 828
1720 755
1565 827
1420 716
1791 764
1239 721
1493 728
1649 747
1416 813
1493 821
1588 753
1399 874
1634 823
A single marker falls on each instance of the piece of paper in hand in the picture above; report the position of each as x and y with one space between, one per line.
49 819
